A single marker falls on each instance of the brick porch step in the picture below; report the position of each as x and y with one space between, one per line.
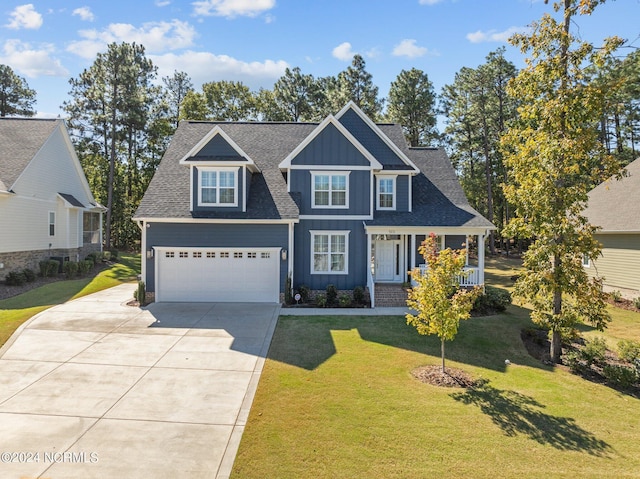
390 295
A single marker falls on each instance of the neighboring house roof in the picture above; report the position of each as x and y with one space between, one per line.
20 140
438 196
614 204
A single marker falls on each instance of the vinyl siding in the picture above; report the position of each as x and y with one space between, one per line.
619 264
357 255
218 147
359 193
215 235
402 192
24 217
239 191
330 147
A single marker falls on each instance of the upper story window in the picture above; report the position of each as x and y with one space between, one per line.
386 193
330 189
218 187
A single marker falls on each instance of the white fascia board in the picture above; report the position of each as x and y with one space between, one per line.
286 163
378 131
421 230
216 130
151 220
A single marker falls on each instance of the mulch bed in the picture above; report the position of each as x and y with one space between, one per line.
452 378
623 304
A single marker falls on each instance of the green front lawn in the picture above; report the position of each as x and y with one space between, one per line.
15 311
337 400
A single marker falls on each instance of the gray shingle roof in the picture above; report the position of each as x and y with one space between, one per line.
438 197
72 200
615 204
20 140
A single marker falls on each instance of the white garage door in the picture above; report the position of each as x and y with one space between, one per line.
218 274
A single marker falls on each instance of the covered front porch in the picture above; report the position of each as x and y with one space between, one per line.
393 253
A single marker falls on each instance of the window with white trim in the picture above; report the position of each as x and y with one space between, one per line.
586 261
329 252
386 193
330 189
52 223
217 187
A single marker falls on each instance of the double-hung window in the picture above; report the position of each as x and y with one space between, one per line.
386 193
330 189
218 187
330 252
52 223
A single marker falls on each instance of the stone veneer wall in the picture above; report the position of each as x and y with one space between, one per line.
19 260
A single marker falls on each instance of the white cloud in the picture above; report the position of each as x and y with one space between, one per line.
408 48
429 2
25 16
162 3
232 8
494 35
84 13
31 62
343 52
205 67
156 37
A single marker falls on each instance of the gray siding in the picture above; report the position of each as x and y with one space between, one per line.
359 193
357 261
619 264
330 147
219 147
224 209
215 235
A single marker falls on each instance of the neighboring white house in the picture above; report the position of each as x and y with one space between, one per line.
46 206
614 206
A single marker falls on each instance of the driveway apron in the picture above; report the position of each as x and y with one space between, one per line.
94 388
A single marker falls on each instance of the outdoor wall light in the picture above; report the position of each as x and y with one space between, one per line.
150 253
284 255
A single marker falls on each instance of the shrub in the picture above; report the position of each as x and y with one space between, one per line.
114 254
629 350
106 255
344 300
594 351
621 376
636 303
305 293
93 257
85 266
44 268
53 267
332 294
288 298
358 294
29 274
70 269
321 300
15 278
493 300
140 294
616 296
572 359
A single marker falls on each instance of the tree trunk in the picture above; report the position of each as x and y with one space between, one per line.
556 346
442 353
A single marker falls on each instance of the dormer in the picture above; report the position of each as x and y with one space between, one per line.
220 174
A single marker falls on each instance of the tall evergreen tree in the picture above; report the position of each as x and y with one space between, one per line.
176 88
555 157
296 94
411 103
16 98
109 113
356 83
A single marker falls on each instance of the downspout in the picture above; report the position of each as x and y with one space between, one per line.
143 250
291 253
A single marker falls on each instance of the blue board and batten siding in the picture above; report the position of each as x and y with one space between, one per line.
219 147
214 235
330 147
357 255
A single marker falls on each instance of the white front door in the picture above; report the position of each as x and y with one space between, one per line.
388 260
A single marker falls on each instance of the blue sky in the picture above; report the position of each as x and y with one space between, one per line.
253 41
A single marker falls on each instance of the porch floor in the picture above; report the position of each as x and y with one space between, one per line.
390 295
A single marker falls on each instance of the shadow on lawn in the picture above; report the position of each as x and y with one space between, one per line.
486 342
517 413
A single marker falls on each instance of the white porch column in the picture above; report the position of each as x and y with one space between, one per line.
413 251
368 254
481 258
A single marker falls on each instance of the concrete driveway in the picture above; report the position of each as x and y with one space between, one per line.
93 388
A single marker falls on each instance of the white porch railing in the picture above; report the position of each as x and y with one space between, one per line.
371 286
471 278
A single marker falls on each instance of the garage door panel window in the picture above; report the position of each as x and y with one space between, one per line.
218 187
330 252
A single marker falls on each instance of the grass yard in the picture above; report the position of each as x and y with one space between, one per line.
337 400
16 310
